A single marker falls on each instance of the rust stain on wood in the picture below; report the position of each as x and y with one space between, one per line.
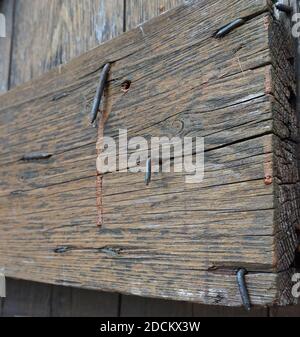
268 165
268 180
101 120
99 176
268 80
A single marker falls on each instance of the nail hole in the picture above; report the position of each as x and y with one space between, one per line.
126 86
61 250
293 98
291 61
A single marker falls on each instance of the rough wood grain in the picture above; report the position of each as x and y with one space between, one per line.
61 301
72 302
29 300
83 25
87 303
6 8
49 33
198 241
139 11
136 13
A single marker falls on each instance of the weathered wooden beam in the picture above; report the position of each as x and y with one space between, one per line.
170 239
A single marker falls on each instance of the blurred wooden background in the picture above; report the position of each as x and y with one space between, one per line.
42 35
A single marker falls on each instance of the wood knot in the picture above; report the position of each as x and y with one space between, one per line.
268 180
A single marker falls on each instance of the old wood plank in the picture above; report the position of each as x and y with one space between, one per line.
139 11
218 311
290 311
49 33
61 301
295 312
72 302
86 303
172 122
61 31
127 248
133 306
6 8
26 299
122 48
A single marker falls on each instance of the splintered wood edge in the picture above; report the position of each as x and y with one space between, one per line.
281 86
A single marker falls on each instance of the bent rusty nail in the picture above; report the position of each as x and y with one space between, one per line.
36 156
99 92
228 28
148 171
240 275
284 8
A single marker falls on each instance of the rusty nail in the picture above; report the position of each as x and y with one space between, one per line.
148 171
36 156
243 288
99 92
284 8
228 28
59 96
268 180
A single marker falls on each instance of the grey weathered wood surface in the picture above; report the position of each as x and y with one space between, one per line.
201 310
103 22
29 300
49 33
6 8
